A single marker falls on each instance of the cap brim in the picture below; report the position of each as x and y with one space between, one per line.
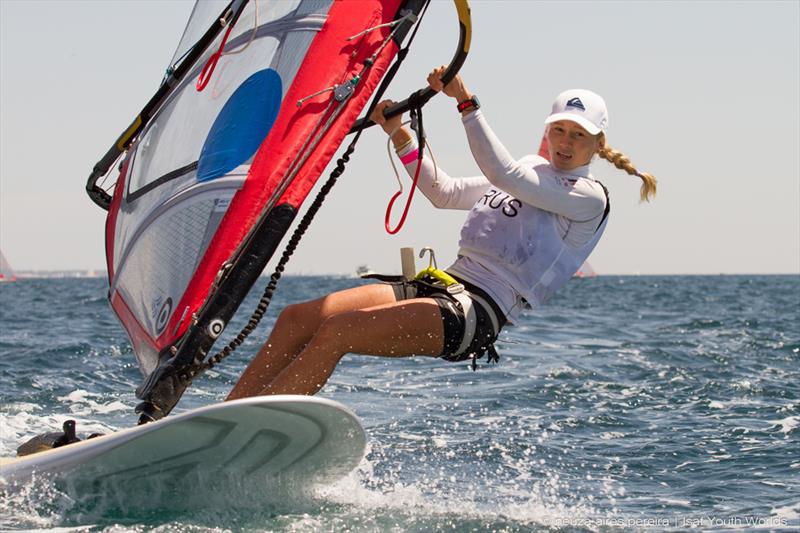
583 122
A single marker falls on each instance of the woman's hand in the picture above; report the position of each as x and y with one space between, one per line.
393 126
455 89
389 125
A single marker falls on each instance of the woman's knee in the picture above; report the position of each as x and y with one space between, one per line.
301 318
334 332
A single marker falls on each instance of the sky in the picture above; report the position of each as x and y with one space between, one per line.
704 95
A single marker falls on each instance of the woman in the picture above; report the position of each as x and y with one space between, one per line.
531 224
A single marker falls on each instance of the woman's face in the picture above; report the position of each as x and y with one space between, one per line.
570 145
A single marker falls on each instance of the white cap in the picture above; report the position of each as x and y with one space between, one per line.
583 107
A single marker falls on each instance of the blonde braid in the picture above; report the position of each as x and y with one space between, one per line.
621 161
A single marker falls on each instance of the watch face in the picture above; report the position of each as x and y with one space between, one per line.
472 103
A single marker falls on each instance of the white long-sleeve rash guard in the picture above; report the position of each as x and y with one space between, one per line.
575 199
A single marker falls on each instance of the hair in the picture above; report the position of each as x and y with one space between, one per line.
621 161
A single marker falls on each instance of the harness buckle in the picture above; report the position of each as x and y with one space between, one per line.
458 288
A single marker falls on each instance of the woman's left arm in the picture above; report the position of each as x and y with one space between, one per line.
582 201
579 201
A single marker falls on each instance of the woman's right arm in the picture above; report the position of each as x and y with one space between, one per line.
443 191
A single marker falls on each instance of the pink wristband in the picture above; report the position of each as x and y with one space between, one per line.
410 156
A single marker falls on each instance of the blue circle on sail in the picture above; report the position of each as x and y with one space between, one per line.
241 126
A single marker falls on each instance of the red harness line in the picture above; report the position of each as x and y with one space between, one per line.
387 222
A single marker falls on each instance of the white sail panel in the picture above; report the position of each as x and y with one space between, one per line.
194 155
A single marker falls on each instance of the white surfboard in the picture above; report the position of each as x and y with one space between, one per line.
295 441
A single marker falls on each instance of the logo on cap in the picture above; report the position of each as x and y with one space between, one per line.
576 102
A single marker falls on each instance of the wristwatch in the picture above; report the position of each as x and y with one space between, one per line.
471 103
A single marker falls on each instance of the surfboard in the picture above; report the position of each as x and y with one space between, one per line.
254 443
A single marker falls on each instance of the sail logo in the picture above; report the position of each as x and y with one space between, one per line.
576 102
163 315
238 130
567 183
221 204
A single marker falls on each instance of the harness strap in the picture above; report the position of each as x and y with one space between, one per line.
470 320
491 354
470 317
465 299
489 311
608 206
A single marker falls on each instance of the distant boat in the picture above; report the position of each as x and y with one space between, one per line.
585 271
364 270
6 272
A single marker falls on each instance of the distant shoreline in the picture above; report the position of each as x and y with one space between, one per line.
47 274
96 274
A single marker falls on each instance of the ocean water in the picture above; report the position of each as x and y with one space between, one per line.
625 403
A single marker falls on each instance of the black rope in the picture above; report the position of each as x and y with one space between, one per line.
269 291
415 104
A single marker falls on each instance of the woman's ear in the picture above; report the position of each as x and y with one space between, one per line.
601 141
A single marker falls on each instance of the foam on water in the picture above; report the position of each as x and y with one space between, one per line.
622 399
788 424
429 504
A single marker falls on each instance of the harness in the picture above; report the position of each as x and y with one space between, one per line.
433 282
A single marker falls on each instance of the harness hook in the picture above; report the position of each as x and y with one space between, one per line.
432 263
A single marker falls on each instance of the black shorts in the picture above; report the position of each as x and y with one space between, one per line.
454 318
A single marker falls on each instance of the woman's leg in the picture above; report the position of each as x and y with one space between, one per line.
295 327
399 329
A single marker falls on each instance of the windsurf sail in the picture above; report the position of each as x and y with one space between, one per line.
258 98
6 272
585 271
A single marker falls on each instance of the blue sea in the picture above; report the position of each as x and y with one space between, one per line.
626 403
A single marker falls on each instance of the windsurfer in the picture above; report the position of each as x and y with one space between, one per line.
531 224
